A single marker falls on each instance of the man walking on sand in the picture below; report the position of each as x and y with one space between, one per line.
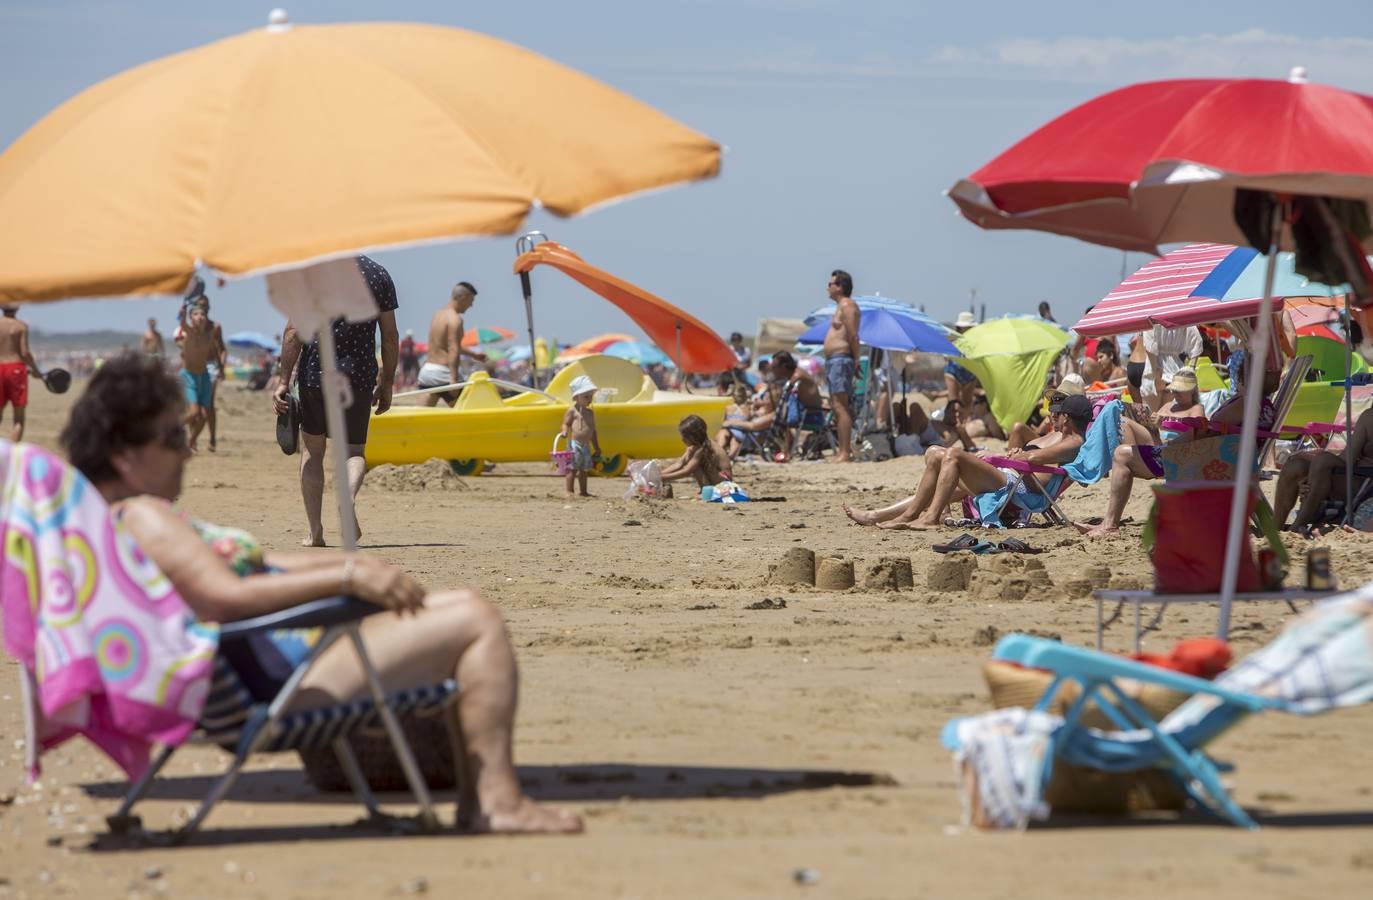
202 343
841 356
355 346
445 345
152 344
16 365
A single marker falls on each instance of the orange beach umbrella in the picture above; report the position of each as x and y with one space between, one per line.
691 343
293 144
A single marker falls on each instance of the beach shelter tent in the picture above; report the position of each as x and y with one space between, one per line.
1012 358
688 341
251 155
777 334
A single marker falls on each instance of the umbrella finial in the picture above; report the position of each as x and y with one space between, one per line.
1297 75
278 20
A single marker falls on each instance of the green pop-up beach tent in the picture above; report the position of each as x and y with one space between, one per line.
1011 357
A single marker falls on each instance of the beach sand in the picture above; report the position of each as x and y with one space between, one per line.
714 750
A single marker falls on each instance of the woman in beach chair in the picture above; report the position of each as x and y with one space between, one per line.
126 436
952 474
1145 461
1323 474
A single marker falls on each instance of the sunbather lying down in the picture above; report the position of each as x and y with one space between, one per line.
125 435
952 473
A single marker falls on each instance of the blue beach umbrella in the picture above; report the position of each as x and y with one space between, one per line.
868 303
253 339
887 330
639 353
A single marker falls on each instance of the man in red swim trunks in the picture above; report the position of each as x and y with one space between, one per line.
16 365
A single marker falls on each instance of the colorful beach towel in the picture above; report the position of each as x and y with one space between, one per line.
109 648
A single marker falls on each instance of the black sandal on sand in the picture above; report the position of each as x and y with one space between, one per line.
960 543
1016 545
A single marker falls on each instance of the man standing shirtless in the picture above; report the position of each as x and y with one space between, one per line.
841 356
201 343
16 365
151 344
445 345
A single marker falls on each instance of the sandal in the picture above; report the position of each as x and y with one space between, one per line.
962 542
1016 545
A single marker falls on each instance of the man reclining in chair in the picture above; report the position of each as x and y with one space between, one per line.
126 436
1323 473
952 473
1144 461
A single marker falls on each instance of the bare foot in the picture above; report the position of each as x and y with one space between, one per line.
841 458
212 445
860 516
1098 531
584 494
313 541
908 525
528 817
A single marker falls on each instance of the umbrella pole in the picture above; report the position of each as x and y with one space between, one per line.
1348 411
1239 504
681 372
338 435
528 289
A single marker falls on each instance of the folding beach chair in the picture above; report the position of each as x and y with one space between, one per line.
243 725
144 686
1029 494
1322 660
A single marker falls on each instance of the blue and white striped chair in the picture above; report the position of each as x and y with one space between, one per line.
232 719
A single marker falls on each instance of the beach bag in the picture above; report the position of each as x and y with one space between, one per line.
1188 526
645 479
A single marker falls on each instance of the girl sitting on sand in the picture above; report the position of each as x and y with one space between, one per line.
703 460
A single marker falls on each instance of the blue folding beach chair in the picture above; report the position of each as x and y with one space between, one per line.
1323 660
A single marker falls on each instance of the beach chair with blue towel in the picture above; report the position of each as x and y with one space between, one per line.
1321 661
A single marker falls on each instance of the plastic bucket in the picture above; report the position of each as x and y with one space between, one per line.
562 459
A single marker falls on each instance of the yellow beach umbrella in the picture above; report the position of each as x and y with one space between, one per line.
299 143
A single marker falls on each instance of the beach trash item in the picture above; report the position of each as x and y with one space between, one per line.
562 459
57 380
645 479
1188 525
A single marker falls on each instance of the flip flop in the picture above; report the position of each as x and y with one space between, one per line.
1016 545
962 542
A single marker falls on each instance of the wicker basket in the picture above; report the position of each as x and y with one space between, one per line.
1077 789
428 736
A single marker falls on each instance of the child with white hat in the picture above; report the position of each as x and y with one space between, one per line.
579 429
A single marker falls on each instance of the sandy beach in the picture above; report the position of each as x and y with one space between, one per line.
714 750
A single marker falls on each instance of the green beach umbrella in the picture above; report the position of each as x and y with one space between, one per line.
1011 357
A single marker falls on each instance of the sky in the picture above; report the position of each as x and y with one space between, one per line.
843 123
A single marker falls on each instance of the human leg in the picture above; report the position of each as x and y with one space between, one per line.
17 434
843 424
1126 466
909 508
457 635
960 475
1290 479
1324 479
312 448
1020 435
1131 432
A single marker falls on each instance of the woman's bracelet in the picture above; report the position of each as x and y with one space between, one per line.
348 565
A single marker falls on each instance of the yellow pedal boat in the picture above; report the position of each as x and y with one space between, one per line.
634 418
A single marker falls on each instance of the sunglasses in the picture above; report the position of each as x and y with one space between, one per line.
176 438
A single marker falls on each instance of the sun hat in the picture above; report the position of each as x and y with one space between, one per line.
1184 379
1072 385
965 320
581 385
1076 407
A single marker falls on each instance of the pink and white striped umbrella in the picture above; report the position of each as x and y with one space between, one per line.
1193 285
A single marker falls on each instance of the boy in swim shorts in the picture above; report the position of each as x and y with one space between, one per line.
579 428
16 365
